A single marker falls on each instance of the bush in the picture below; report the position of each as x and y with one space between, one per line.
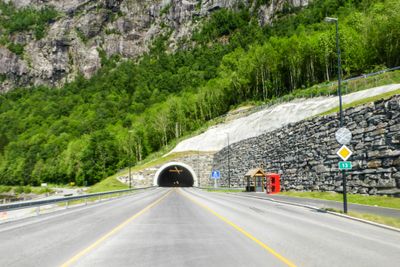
17 49
27 190
19 190
4 189
28 18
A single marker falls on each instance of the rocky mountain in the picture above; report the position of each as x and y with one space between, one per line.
85 30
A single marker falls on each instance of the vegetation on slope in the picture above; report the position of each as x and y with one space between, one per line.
364 101
13 20
109 184
80 132
390 221
380 201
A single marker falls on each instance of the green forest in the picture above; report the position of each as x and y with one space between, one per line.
20 20
89 128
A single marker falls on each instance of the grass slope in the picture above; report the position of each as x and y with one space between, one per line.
393 222
363 101
109 184
378 201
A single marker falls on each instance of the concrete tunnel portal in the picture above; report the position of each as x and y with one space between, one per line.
175 174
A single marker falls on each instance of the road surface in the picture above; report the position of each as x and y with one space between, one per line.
321 203
189 227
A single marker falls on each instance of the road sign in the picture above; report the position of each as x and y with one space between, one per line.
344 153
345 165
343 136
215 175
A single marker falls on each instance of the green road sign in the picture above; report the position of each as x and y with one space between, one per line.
345 165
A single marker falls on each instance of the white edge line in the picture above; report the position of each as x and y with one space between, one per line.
325 211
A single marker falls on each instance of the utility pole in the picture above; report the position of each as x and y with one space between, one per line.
198 167
229 167
130 158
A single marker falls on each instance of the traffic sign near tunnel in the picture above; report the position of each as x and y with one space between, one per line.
343 136
345 165
344 153
215 175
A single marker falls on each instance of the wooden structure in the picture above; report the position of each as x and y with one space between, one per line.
255 180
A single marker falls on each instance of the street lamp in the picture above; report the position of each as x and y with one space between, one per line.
198 167
130 157
229 167
336 21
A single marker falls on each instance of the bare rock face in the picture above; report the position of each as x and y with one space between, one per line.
13 68
266 13
85 27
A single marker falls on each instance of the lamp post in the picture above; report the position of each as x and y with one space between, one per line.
336 21
198 167
130 157
229 162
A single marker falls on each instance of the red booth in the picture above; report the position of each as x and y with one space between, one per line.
273 183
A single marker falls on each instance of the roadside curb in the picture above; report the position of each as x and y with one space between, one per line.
321 210
364 221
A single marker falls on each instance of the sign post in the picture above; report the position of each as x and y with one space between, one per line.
344 153
215 175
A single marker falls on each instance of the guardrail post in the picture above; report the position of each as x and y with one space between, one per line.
37 210
86 201
66 204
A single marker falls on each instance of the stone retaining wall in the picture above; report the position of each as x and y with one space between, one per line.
304 153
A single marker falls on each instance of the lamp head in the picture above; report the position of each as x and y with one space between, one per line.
330 20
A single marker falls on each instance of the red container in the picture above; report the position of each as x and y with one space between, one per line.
273 183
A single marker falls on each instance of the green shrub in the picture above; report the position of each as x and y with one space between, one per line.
165 9
19 190
81 35
5 189
27 190
17 49
27 18
3 77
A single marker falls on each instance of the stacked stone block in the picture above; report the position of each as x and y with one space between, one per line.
304 153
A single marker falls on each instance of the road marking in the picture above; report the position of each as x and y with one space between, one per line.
247 234
112 232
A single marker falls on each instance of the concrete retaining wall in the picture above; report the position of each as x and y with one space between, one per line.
201 164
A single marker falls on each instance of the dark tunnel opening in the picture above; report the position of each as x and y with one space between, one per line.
175 176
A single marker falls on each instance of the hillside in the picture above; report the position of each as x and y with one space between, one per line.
272 118
80 131
52 42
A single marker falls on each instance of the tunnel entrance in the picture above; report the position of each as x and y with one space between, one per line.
175 174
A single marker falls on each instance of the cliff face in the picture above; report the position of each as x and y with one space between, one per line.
73 41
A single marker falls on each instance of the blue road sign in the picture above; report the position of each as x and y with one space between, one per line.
215 175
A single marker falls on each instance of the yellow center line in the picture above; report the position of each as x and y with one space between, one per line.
112 232
241 230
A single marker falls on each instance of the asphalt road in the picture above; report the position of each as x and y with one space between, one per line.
320 203
189 227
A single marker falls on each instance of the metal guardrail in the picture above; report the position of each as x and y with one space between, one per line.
38 203
371 74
